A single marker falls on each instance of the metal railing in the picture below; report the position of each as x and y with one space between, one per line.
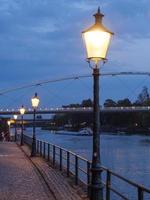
79 168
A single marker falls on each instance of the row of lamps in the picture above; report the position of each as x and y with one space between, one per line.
35 102
97 39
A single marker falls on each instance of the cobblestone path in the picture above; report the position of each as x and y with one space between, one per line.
19 179
61 186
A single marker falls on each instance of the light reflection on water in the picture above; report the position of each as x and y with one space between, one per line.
129 156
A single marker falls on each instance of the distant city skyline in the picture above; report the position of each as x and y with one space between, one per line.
42 40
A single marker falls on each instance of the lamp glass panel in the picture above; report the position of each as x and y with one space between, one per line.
22 111
35 102
97 43
15 116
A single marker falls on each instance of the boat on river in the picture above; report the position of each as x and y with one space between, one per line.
82 132
86 131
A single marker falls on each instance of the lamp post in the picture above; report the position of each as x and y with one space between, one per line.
22 111
35 102
97 39
9 123
15 118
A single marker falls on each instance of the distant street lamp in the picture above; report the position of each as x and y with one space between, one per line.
35 102
9 123
22 111
15 118
97 39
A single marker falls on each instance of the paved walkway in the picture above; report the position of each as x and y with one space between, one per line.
62 187
19 179
25 178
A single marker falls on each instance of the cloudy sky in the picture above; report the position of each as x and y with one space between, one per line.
41 40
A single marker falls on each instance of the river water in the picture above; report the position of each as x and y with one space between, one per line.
129 156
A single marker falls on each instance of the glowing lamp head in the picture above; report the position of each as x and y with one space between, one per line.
97 39
8 122
35 101
15 117
22 110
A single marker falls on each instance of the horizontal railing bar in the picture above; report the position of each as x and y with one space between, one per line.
73 173
82 181
126 180
81 158
118 193
82 170
56 146
113 190
72 153
73 164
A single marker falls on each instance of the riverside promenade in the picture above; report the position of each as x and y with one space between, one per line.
26 178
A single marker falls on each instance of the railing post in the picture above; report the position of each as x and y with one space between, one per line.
23 138
37 149
53 155
44 151
48 151
88 177
40 148
60 159
140 194
108 182
68 163
76 169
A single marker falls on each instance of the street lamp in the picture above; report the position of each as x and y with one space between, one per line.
97 39
35 102
15 118
22 111
9 123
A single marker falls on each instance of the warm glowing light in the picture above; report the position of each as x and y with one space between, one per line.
22 110
96 43
15 117
97 39
35 101
8 122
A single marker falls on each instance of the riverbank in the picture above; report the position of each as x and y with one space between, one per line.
106 130
120 133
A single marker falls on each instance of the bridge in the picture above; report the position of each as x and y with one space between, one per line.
77 110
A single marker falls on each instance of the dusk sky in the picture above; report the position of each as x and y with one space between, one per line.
41 40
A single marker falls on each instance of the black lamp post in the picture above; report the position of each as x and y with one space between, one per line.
22 111
35 102
9 124
15 119
97 39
